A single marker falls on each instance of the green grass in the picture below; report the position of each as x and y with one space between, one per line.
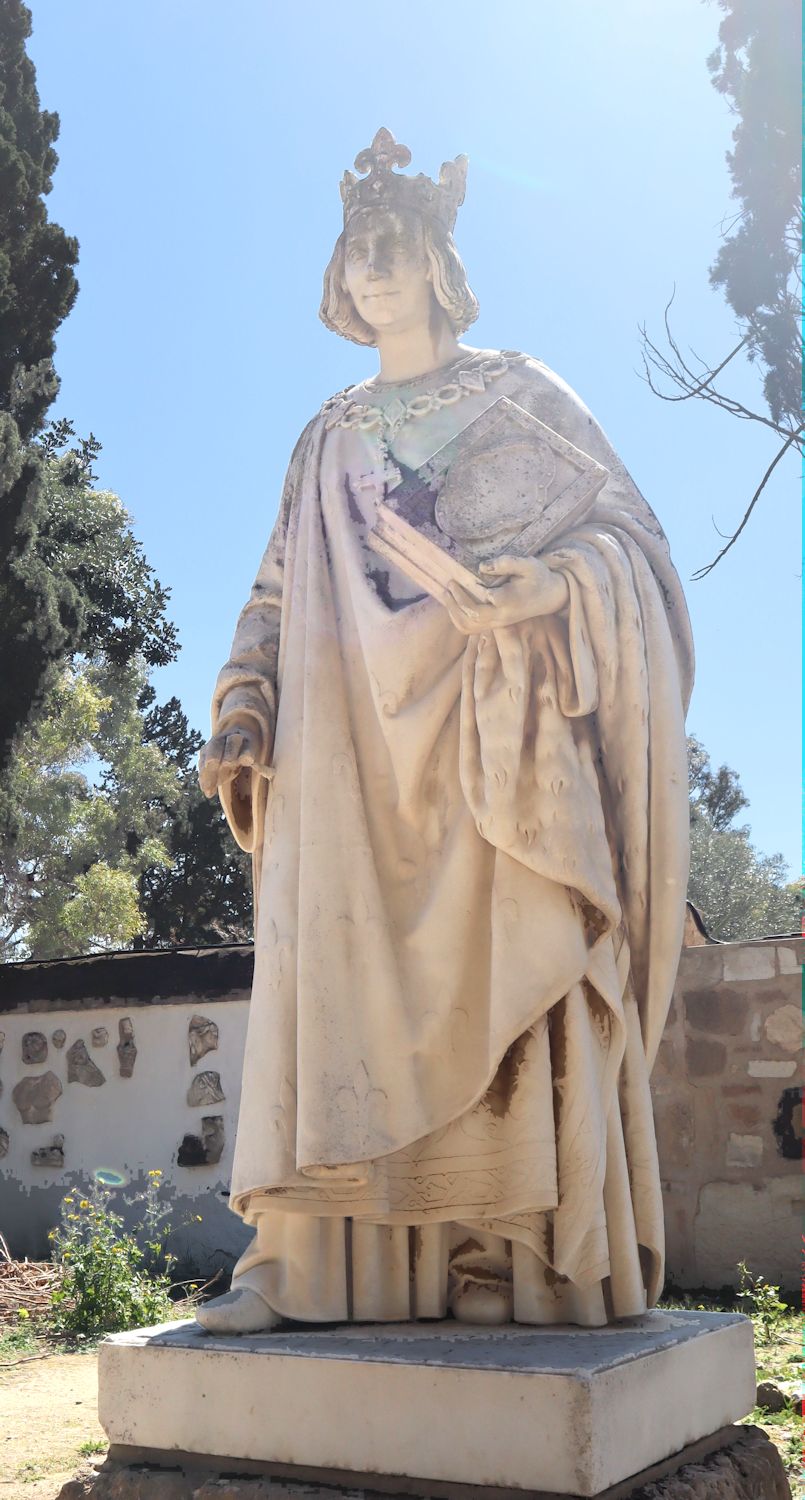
92 1445
16 1342
30 1472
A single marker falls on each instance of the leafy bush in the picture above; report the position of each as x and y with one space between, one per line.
111 1281
762 1303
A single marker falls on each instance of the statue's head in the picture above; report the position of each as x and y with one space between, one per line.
395 264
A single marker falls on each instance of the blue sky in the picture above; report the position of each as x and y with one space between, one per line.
200 151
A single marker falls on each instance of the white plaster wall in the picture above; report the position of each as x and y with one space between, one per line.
128 1125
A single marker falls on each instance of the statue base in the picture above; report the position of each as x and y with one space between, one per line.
434 1409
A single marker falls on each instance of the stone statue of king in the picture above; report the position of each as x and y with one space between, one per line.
468 814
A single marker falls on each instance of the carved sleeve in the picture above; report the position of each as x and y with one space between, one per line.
246 690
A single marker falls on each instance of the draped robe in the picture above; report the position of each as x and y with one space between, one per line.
470 869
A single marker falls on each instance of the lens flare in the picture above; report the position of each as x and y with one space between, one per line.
109 1177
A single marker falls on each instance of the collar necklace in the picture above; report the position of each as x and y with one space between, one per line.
468 377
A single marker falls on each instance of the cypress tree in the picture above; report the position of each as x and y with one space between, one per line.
40 611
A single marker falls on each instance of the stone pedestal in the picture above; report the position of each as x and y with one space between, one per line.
431 1408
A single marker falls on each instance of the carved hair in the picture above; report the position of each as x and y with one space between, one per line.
449 278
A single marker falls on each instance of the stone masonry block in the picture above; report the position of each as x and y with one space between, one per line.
705 1059
784 1027
701 966
743 961
721 1011
788 960
744 1150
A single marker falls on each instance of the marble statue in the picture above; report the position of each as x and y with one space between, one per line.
469 824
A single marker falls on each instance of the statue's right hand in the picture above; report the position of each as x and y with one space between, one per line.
223 757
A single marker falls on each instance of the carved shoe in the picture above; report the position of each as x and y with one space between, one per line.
240 1310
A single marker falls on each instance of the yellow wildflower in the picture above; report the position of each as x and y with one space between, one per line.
84 1203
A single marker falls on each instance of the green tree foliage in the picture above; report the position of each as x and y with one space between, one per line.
85 538
739 892
108 841
716 796
116 847
203 895
40 610
756 67
85 548
91 796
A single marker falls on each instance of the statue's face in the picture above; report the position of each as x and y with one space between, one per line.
386 269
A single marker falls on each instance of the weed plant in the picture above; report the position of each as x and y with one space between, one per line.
114 1278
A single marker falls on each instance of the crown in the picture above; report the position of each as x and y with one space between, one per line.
436 200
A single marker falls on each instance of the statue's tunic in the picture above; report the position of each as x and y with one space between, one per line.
470 871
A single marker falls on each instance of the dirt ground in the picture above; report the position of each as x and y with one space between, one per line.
49 1428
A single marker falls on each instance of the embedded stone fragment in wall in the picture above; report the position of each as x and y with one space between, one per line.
3 1142
126 1050
204 1150
202 1037
35 1098
49 1156
191 1152
58 1038
81 1068
212 1135
34 1047
99 1036
205 1089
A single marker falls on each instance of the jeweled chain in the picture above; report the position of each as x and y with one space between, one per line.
469 380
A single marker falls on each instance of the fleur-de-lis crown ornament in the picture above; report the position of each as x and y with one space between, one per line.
439 201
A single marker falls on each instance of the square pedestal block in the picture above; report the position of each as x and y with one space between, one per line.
563 1411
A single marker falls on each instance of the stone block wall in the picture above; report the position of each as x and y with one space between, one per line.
727 1105
132 1062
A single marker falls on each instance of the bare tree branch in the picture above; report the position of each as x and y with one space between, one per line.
691 384
702 572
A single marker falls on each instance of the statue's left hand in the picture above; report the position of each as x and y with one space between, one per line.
528 588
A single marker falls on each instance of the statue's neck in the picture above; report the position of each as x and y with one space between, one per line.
410 352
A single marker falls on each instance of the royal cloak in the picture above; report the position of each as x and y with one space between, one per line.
470 868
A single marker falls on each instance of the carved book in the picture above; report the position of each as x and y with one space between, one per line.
506 483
